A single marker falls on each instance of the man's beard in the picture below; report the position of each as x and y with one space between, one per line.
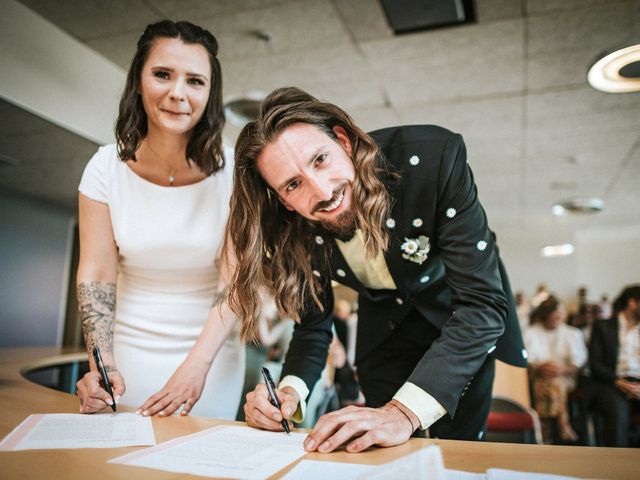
343 227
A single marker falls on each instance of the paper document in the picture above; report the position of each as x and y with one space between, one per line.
501 474
423 464
223 451
61 430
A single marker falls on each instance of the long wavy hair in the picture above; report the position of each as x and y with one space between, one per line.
205 145
275 248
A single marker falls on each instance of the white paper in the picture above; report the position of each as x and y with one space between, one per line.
60 430
462 475
223 451
500 474
423 464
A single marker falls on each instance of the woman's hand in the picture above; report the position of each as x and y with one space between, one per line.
94 398
183 388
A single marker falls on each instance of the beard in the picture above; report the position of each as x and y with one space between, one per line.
343 227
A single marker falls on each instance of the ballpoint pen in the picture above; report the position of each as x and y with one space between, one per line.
103 374
273 398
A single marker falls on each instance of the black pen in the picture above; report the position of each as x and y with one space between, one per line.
103 373
273 397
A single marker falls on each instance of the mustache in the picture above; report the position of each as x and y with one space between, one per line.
336 193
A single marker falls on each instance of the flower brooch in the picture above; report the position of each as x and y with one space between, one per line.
416 249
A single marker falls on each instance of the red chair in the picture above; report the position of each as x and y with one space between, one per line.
512 422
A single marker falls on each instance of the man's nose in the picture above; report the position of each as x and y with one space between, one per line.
322 189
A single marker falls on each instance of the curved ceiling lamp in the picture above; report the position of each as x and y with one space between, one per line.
617 72
578 205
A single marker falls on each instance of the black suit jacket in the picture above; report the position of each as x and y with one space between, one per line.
603 350
461 288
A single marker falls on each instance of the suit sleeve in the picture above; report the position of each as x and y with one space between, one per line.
307 354
479 304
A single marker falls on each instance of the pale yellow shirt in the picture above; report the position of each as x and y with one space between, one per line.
374 274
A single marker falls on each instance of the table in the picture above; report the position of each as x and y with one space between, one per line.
20 398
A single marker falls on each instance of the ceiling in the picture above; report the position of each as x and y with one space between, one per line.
513 84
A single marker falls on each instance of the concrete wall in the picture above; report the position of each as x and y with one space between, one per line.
36 241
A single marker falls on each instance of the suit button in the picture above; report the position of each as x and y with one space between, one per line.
340 272
399 301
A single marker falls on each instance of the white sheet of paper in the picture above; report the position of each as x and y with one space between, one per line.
223 451
462 475
62 430
423 464
500 474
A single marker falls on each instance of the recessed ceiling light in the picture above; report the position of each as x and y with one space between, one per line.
617 72
243 110
557 250
578 205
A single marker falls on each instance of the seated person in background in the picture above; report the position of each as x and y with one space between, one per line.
615 366
556 353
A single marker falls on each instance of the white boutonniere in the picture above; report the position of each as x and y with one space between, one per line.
416 249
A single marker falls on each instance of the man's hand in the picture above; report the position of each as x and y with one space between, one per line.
183 389
260 413
362 427
94 398
630 389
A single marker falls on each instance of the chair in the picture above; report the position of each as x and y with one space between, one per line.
511 422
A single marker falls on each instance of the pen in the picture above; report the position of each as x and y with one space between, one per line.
103 374
273 397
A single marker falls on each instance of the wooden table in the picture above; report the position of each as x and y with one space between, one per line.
19 398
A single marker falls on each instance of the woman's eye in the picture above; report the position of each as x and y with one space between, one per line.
196 81
161 74
321 159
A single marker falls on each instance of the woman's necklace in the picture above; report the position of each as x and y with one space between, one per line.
172 170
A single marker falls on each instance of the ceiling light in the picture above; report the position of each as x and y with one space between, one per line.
557 250
617 72
578 205
244 109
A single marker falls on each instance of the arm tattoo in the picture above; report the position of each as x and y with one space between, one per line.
97 305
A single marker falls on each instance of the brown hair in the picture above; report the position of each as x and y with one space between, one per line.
274 247
545 309
630 292
205 145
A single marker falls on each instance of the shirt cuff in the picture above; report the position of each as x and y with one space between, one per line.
301 389
424 406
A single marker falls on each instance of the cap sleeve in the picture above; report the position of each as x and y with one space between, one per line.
95 178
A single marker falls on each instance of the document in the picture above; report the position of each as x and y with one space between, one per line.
424 464
222 451
105 430
501 474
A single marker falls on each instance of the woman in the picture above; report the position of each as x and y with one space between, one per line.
152 214
556 353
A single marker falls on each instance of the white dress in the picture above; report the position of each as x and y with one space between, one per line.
168 239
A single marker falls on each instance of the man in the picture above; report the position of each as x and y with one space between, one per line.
614 358
395 216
